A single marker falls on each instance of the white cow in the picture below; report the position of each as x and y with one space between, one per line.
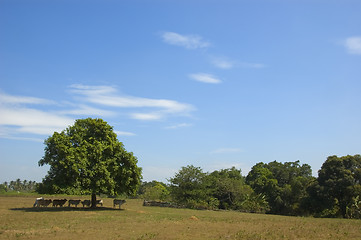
36 204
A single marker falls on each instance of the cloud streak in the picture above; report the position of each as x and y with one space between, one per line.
24 115
353 45
33 121
186 41
181 125
225 63
127 134
205 78
16 100
108 96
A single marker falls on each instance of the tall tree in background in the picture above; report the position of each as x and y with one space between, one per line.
283 184
188 186
229 187
87 158
338 186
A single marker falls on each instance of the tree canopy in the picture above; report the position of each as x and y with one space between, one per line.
188 186
87 158
337 191
283 184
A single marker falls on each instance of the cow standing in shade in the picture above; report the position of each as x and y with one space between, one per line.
86 203
44 202
100 202
118 202
59 202
74 202
89 202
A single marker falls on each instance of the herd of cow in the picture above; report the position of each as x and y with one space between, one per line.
41 202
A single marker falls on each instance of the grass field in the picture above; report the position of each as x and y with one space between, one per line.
18 220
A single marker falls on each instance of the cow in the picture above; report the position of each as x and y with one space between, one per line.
86 203
100 202
59 202
73 202
118 202
44 202
89 202
36 203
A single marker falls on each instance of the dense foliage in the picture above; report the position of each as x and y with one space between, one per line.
279 188
155 191
223 189
87 158
283 184
337 190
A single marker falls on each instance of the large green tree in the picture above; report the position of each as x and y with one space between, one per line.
338 187
188 187
228 186
155 191
87 158
283 184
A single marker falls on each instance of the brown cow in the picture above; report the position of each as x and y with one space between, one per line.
36 204
89 202
73 202
86 203
44 202
59 202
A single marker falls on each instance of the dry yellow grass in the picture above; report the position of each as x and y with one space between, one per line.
18 220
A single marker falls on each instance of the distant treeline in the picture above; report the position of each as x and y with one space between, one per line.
278 188
19 186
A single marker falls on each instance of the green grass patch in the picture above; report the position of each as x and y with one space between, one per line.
20 221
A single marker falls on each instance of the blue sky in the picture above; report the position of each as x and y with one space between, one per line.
211 83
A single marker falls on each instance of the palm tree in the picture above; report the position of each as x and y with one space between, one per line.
25 185
18 184
12 185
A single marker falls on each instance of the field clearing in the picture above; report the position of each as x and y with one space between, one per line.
18 220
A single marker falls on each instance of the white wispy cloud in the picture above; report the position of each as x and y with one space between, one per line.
250 65
11 133
205 78
9 99
24 115
147 116
222 63
181 125
186 41
29 120
18 118
120 133
108 96
85 110
226 63
353 45
226 150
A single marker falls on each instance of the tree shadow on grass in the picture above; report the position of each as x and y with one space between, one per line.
65 209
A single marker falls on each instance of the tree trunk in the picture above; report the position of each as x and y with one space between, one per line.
94 200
